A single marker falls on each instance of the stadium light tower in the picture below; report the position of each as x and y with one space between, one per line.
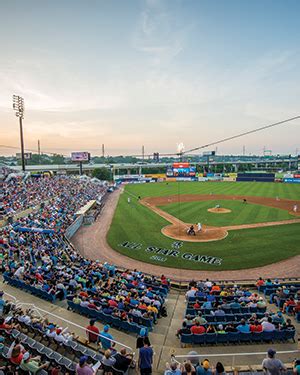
18 106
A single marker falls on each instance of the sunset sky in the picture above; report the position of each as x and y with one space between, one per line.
129 73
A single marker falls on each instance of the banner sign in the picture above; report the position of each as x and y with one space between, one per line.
292 180
161 254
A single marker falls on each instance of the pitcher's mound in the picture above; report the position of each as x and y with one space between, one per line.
219 210
207 234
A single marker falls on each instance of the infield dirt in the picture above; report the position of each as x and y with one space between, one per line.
178 229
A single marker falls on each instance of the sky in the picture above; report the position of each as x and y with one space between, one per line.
156 73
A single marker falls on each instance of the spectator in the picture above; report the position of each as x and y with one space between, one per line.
256 327
123 361
220 329
108 360
243 327
288 326
145 359
188 369
32 364
16 352
2 303
143 336
197 329
92 332
204 368
82 368
271 365
296 369
220 369
172 369
268 326
211 329
106 338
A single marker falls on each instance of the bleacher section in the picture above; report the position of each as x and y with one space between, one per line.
229 307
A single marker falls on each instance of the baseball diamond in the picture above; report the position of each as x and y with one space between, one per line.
261 217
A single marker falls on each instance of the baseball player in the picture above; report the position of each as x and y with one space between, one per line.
199 226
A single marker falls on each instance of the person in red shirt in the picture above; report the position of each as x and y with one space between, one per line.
256 327
6 326
92 336
197 305
260 282
198 329
289 305
112 303
92 305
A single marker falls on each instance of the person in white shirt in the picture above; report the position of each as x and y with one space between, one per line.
190 293
199 226
208 283
268 326
19 272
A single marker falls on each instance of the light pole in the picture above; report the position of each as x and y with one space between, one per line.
18 106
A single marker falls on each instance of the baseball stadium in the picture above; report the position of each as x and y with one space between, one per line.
149 188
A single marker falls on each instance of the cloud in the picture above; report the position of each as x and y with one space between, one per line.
157 33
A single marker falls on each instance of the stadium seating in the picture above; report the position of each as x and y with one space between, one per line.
237 337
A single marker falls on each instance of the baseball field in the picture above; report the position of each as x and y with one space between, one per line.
244 225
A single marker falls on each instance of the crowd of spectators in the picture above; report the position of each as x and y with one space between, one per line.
61 197
270 365
18 326
42 258
286 296
214 308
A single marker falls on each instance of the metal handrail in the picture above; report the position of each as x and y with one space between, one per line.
233 355
19 304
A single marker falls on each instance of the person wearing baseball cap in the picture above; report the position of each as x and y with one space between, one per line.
272 365
82 368
32 364
106 338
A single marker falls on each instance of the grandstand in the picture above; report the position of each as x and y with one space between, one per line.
51 292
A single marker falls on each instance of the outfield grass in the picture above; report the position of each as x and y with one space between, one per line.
259 189
241 213
245 248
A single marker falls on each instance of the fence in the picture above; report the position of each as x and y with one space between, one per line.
179 358
73 228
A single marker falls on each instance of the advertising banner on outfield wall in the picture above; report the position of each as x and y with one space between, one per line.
229 179
292 180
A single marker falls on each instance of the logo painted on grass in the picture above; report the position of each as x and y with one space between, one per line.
177 245
158 252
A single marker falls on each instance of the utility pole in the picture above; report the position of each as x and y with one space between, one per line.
103 153
39 151
18 106
143 152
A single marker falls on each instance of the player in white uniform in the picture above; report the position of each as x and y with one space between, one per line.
199 226
128 200
295 208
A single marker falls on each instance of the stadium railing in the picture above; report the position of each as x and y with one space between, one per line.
180 358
